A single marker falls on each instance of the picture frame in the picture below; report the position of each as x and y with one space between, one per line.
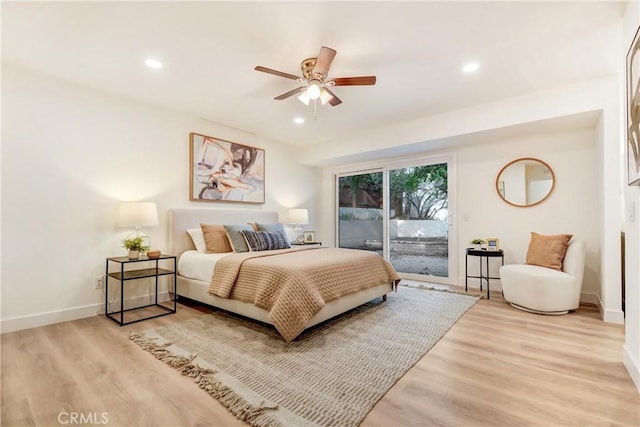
309 237
225 171
493 244
633 111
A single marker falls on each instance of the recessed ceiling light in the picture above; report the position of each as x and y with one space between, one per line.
471 67
298 120
153 63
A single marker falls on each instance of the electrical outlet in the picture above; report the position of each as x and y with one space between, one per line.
99 281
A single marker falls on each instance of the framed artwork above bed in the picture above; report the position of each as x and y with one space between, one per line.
633 111
225 171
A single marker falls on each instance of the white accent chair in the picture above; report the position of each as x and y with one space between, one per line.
544 290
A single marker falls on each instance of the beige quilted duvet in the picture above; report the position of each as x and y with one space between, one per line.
294 284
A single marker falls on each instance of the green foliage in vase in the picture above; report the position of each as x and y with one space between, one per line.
135 244
477 242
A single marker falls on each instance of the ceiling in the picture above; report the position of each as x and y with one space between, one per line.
416 50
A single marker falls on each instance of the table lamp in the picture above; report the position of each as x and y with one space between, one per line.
298 217
138 215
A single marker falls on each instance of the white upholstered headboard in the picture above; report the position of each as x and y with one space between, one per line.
182 219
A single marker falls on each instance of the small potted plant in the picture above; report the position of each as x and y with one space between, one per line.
476 244
135 245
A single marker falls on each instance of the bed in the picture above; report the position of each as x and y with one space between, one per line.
193 282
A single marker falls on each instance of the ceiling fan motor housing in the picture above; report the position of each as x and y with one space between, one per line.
307 67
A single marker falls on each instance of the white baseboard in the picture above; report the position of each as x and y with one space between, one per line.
632 367
609 316
59 316
613 316
48 318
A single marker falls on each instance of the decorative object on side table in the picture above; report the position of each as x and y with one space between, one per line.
476 244
309 237
135 245
153 254
493 244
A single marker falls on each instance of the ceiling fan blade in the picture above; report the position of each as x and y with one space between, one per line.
354 81
290 93
334 100
325 57
276 73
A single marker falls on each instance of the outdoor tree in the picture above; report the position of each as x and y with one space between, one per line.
419 192
416 192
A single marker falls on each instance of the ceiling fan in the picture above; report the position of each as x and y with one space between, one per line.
314 76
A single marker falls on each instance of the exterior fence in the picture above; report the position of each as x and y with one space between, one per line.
354 233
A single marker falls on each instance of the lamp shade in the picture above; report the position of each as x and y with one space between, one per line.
298 216
313 91
137 214
304 98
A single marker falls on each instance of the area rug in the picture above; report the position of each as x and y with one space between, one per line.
332 375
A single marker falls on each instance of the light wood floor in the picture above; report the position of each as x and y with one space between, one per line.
496 367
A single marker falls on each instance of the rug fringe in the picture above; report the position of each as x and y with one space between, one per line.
206 380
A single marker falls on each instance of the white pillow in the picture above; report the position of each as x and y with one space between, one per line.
198 239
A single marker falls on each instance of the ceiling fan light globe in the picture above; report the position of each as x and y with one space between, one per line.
313 91
325 96
304 98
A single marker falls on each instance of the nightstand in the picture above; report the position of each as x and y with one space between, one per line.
486 254
131 270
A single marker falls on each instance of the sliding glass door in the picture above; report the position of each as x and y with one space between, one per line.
418 220
360 216
401 211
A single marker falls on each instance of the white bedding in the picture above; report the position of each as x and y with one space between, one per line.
197 289
198 266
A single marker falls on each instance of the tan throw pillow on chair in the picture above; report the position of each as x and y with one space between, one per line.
548 250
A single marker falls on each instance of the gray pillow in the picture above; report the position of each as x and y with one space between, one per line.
238 243
276 227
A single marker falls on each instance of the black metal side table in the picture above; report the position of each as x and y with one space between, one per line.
480 254
125 275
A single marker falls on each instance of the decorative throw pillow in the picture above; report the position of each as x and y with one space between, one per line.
197 237
215 238
276 227
238 244
548 250
264 241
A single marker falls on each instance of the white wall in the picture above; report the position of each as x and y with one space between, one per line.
631 350
572 207
69 156
517 118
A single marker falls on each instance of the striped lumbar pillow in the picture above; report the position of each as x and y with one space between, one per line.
264 241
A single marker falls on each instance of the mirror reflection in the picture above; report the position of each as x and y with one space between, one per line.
525 182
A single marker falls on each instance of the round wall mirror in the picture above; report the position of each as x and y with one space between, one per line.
525 182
